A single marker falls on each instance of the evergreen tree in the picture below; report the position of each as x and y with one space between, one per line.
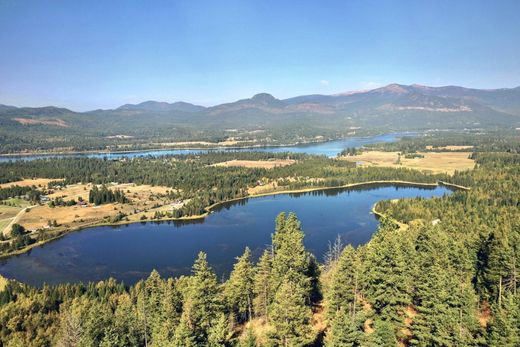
202 301
219 332
438 299
385 273
248 340
290 316
71 328
344 284
238 289
262 288
505 326
344 330
290 258
184 334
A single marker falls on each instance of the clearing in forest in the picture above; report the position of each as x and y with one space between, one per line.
262 164
38 182
435 162
144 200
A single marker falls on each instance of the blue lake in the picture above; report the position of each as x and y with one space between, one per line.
329 148
130 252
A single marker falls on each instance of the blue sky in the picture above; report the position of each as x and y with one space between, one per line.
101 54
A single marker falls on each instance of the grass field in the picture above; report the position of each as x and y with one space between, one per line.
262 164
142 198
4 223
38 182
435 162
7 212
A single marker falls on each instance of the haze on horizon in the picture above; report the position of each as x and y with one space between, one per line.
102 54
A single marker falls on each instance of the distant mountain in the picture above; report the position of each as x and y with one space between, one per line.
263 118
6 107
157 106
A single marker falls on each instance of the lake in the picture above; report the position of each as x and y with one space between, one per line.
329 148
130 252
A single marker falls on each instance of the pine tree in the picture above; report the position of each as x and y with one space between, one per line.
248 340
344 330
505 326
238 289
384 334
501 263
290 316
219 333
386 273
344 284
290 258
202 301
184 334
262 289
438 298
71 328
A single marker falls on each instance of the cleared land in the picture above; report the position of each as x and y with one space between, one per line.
144 200
435 162
38 182
262 164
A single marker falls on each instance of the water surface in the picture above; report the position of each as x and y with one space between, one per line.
329 148
131 251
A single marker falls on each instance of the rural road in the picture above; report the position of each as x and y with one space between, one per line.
16 219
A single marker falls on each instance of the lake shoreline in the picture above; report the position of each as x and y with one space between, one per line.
209 209
188 148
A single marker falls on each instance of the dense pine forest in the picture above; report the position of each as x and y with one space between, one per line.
447 277
194 176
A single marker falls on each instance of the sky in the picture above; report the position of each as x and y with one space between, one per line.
86 55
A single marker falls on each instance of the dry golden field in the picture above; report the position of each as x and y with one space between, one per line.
435 162
144 200
38 182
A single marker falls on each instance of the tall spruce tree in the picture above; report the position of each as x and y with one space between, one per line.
202 306
344 330
290 259
290 316
344 284
238 290
262 286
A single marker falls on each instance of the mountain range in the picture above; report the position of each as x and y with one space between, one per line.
263 117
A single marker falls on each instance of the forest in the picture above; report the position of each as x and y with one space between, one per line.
448 278
104 195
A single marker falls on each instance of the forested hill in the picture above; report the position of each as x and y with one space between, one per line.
447 277
260 119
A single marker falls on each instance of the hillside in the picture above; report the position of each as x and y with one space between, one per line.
260 119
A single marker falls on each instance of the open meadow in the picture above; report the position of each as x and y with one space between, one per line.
434 162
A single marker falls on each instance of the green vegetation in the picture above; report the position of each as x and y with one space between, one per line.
30 193
260 120
445 275
105 196
473 141
195 310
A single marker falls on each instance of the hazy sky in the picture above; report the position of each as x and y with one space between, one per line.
101 54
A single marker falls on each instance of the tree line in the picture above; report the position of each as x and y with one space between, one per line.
103 195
